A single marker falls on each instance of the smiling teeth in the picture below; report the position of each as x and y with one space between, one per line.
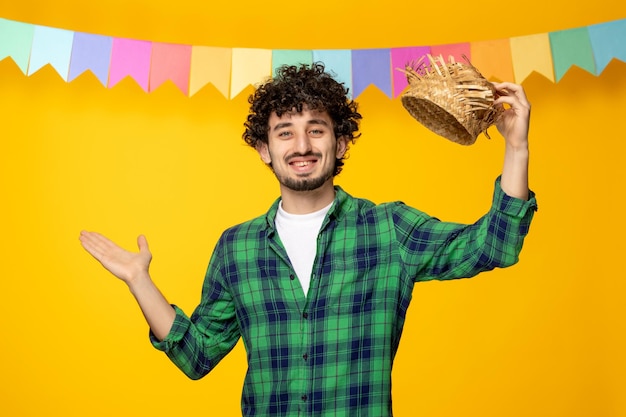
301 164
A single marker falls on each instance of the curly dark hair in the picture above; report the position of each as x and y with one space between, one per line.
292 88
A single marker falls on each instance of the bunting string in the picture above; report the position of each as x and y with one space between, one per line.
231 70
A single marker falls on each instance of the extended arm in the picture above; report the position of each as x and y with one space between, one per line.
132 268
513 125
454 251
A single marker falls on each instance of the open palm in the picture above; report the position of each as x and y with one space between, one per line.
123 264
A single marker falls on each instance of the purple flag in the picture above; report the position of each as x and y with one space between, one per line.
91 52
371 66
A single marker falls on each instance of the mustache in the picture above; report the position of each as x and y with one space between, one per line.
303 155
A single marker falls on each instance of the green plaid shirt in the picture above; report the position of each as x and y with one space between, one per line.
331 352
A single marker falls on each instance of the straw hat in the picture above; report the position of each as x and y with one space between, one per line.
452 99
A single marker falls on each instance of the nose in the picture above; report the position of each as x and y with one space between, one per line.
303 143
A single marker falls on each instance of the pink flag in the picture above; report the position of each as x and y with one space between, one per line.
130 58
456 50
170 62
400 58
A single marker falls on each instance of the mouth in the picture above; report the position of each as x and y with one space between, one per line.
303 164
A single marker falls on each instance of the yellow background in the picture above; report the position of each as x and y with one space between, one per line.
543 338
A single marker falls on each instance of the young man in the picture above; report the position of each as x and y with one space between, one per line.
318 287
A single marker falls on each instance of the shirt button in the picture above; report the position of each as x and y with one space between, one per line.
305 356
305 315
304 397
292 277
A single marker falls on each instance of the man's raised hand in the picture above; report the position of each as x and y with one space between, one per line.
127 266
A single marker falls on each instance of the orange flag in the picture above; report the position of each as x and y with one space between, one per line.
493 59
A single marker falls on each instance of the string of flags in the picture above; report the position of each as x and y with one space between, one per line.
231 70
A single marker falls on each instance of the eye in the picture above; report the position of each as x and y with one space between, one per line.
284 134
316 132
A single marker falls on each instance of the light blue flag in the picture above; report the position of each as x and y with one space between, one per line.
371 66
51 46
290 57
16 39
608 41
338 63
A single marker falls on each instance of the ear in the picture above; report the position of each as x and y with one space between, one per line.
264 152
342 146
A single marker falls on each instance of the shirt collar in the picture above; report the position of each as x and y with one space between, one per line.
341 204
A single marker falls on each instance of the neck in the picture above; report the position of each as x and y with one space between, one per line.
304 202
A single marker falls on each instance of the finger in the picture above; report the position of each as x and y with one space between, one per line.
97 245
508 86
142 244
96 240
514 102
512 90
93 243
90 244
506 99
89 239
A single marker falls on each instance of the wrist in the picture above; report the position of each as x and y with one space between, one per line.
139 282
517 153
520 146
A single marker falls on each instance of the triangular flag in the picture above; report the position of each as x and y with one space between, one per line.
295 57
210 65
250 67
608 41
571 47
461 52
16 40
371 66
170 62
93 53
400 58
338 63
51 46
130 58
531 53
493 59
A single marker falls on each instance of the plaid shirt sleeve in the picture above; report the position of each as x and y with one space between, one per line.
432 249
197 344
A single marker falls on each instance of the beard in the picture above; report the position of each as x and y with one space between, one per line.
302 184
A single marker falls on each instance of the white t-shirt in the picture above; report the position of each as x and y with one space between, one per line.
298 232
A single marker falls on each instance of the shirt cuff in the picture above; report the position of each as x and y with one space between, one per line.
511 205
177 332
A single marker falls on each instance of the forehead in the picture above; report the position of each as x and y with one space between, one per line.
292 116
